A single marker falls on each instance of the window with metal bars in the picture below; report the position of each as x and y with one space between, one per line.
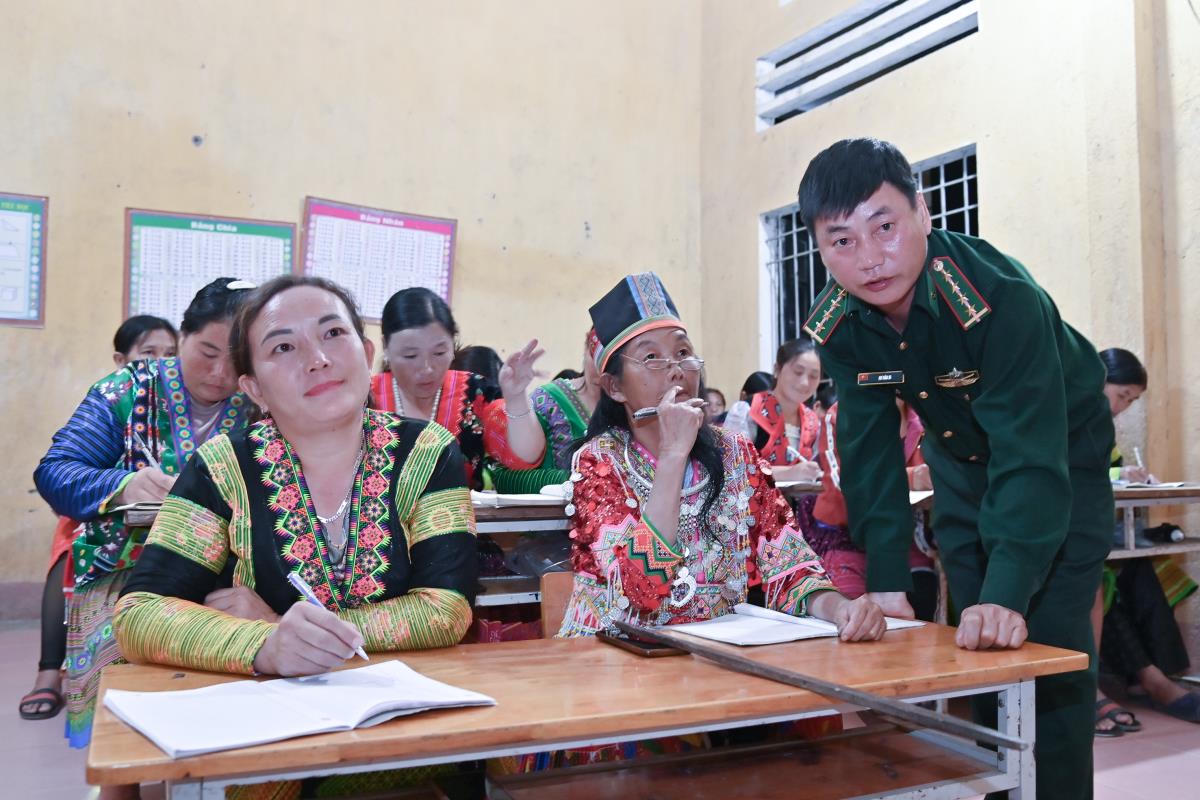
949 184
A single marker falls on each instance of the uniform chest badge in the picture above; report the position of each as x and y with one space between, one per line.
957 378
880 378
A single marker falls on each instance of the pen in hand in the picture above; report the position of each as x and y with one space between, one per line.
303 588
141 445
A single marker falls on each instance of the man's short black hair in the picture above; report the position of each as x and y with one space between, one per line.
848 172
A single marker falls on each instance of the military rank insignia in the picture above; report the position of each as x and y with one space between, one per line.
964 300
880 378
827 313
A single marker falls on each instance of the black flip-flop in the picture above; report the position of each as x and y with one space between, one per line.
38 698
1114 711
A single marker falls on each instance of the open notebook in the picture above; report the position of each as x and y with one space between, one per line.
751 625
245 713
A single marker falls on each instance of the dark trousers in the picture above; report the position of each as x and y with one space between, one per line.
1058 615
1140 629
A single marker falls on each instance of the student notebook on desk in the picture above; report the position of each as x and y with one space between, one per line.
246 713
754 625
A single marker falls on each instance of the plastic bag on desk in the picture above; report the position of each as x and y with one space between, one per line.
536 555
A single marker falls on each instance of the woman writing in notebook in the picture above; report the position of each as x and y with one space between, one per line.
141 337
674 520
490 424
370 510
781 426
125 443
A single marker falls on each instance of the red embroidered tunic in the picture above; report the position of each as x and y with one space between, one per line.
770 438
625 569
472 409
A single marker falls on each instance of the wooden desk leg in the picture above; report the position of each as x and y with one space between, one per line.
1016 718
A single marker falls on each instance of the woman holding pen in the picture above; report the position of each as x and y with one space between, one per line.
370 511
125 443
780 425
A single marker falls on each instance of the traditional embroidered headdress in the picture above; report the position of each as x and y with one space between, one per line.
637 304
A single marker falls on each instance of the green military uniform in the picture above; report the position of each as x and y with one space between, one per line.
1018 437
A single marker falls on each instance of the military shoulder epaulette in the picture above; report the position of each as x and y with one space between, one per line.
964 300
827 312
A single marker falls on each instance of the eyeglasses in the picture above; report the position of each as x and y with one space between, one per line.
687 363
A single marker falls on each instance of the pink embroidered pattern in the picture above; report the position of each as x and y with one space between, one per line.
302 543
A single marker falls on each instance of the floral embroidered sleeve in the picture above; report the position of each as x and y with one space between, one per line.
161 617
789 571
611 542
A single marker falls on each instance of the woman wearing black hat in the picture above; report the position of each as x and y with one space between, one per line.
676 521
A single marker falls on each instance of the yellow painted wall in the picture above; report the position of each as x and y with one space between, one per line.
562 136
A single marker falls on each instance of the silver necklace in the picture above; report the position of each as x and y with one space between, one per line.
648 484
437 400
337 550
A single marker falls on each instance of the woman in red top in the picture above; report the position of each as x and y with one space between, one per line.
781 426
830 534
490 423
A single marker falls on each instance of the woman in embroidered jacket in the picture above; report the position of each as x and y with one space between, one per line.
125 443
674 520
372 511
779 423
491 424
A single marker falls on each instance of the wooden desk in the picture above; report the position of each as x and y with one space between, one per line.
563 693
1129 500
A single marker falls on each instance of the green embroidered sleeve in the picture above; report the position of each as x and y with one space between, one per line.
154 629
421 619
160 617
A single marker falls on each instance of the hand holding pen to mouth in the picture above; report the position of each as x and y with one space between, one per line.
678 423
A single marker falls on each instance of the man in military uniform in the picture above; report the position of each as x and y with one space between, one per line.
1018 432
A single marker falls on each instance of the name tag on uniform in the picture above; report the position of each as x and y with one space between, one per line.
957 378
880 378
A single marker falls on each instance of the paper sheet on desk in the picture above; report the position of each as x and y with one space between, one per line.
753 625
498 500
1159 485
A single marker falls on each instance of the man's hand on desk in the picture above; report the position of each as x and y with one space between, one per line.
894 604
308 640
989 626
241 602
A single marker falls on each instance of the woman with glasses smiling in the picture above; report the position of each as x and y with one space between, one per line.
673 520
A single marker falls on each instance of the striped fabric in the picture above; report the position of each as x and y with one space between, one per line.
80 471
